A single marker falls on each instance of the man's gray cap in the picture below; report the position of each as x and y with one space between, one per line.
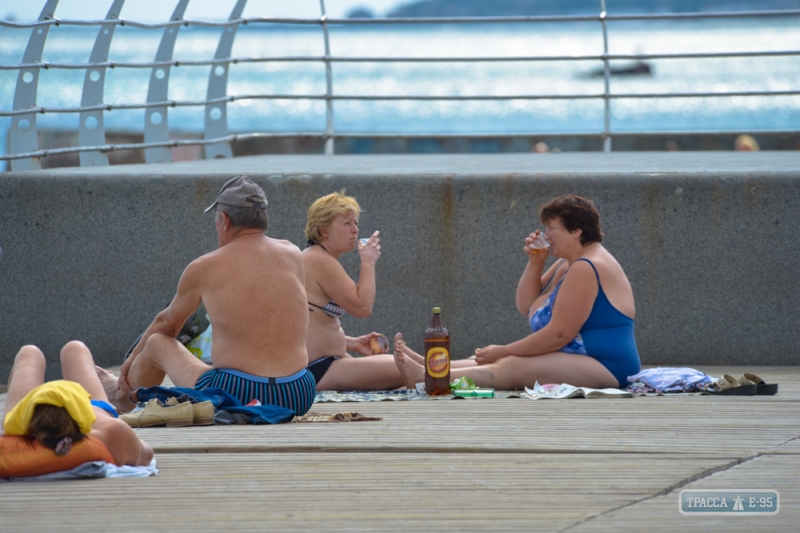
240 192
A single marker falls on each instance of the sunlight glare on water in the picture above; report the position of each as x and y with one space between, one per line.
59 87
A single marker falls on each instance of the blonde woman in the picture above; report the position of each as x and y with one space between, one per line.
332 230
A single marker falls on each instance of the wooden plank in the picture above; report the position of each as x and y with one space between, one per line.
511 464
346 492
661 513
656 425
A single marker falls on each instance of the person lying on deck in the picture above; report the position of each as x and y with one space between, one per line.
252 288
582 331
65 414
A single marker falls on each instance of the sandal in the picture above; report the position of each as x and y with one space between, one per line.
727 385
761 386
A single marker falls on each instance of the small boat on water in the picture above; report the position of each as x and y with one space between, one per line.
640 68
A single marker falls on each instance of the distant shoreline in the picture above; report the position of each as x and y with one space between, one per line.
511 8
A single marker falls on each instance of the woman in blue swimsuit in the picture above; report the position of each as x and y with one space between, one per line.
581 312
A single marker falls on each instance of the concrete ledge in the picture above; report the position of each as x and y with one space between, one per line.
707 239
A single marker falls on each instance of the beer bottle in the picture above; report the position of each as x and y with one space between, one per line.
437 357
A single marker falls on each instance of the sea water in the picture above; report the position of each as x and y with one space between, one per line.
70 44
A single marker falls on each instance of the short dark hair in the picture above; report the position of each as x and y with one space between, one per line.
246 217
49 424
575 213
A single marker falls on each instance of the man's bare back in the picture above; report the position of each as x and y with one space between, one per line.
253 290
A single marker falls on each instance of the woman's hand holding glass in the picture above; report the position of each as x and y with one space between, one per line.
370 249
536 247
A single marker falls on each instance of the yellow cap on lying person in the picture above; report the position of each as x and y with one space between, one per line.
60 393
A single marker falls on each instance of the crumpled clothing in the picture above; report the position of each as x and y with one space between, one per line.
222 400
353 416
226 418
95 469
661 380
394 395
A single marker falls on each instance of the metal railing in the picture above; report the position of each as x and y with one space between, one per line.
217 139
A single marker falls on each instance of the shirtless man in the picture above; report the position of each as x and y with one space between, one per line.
253 289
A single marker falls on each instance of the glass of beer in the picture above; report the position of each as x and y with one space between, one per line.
539 244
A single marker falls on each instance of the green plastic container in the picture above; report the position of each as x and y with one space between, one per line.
473 393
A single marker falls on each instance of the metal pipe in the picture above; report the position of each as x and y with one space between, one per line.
328 82
91 128
606 82
418 20
24 114
216 115
230 99
23 135
156 120
343 59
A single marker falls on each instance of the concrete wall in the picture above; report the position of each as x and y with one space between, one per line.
708 241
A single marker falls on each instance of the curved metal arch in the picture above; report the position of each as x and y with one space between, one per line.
606 82
328 81
23 136
91 130
156 120
216 115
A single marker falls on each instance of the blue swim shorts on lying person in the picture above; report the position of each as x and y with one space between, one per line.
295 392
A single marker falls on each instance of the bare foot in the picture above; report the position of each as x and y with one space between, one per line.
110 383
412 371
400 344
122 401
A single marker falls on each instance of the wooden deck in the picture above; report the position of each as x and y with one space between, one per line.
463 465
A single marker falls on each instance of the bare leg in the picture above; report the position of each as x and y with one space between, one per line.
518 372
162 356
78 365
400 344
108 379
412 371
376 372
27 373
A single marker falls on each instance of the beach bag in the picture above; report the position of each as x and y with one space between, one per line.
192 328
200 346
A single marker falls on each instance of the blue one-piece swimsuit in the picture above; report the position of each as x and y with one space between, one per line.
607 335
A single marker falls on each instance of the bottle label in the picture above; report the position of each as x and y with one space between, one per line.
438 362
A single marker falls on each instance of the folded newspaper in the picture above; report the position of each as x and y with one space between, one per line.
552 390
